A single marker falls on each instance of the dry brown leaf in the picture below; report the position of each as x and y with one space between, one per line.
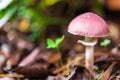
105 75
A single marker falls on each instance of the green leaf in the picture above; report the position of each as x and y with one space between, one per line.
34 36
105 42
50 43
9 13
51 2
59 40
44 3
26 12
2 13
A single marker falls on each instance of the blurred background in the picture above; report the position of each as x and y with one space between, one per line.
36 20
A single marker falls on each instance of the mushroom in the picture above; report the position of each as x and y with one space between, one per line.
91 26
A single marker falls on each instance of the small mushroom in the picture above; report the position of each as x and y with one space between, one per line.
91 26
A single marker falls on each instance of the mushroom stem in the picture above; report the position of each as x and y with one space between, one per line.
89 57
89 51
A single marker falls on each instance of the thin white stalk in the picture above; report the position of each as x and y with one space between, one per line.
89 57
89 51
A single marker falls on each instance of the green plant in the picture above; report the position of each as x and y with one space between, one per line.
98 76
55 44
105 42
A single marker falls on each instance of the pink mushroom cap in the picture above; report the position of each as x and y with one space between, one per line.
88 24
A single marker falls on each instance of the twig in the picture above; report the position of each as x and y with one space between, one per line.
12 75
71 62
30 58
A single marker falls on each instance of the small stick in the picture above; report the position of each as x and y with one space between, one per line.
74 61
12 75
64 73
30 58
